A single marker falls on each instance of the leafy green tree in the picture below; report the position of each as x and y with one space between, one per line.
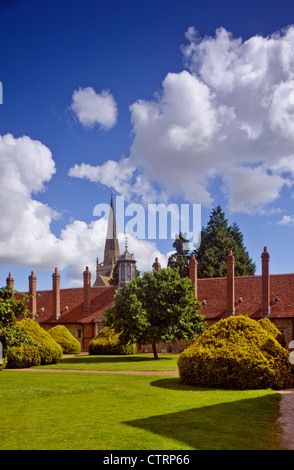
216 240
12 307
180 259
159 306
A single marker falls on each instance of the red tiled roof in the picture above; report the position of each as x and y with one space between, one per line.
72 305
213 291
248 288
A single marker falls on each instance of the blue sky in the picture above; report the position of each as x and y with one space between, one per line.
161 101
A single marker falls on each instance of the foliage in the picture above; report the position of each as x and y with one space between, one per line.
216 240
68 343
159 306
180 259
236 353
13 305
273 330
109 342
45 350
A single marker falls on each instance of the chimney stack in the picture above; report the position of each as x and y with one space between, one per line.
10 282
56 294
193 267
33 293
156 265
265 283
230 283
87 289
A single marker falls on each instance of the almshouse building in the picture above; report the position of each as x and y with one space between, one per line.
82 309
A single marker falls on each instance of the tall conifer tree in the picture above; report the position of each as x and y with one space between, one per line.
180 259
216 240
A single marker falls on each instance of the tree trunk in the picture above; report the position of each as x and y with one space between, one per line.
154 351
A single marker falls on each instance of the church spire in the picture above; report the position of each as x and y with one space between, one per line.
111 251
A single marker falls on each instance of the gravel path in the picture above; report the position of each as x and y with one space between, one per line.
287 418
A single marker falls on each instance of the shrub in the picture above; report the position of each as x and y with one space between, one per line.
44 351
236 353
108 342
3 364
68 343
273 330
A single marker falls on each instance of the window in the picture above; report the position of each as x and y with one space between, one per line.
122 272
79 334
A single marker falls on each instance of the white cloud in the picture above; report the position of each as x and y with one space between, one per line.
249 189
122 176
92 108
286 220
229 115
26 237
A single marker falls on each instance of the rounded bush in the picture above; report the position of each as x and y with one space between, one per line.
108 342
236 353
273 330
68 343
45 351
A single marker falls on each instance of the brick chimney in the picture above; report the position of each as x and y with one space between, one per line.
33 293
193 266
265 283
230 283
156 265
87 289
10 282
56 294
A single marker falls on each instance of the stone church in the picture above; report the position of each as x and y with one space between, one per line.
82 309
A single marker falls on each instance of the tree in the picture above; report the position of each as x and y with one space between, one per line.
180 259
159 306
13 305
216 240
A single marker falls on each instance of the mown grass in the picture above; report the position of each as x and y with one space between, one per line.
136 362
86 411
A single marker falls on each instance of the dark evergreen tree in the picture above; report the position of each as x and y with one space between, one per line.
216 240
180 259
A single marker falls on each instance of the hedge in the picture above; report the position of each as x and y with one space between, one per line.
68 343
236 353
271 328
108 342
45 351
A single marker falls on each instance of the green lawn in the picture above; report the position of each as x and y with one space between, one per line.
137 362
81 411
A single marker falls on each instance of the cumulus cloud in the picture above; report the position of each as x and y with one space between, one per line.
229 115
26 237
122 176
93 108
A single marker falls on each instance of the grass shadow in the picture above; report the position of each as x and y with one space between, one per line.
111 359
245 424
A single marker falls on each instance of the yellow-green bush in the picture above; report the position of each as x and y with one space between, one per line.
68 343
236 353
45 351
108 342
273 330
3 364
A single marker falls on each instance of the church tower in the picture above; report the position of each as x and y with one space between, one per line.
126 267
111 251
